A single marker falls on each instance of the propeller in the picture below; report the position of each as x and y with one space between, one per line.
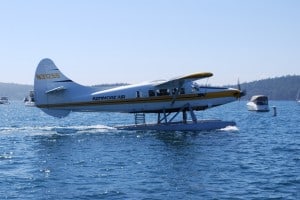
242 92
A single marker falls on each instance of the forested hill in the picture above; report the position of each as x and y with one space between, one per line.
279 88
14 91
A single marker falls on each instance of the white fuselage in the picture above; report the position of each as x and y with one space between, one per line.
57 95
145 98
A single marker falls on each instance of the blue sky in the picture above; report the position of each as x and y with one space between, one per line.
96 41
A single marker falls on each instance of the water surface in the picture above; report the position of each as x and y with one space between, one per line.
83 157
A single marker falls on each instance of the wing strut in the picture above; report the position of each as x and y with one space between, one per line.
176 93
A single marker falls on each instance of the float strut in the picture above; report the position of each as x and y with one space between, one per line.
194 118
184 117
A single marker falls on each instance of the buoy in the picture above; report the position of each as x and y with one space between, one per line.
274 111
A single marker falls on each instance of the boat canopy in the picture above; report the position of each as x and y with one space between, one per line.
259 99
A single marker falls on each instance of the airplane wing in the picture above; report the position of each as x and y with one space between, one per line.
179 81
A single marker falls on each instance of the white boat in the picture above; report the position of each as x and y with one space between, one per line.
4 100
258 103
29 100
298 97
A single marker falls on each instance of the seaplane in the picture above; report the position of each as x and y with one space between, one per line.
57 95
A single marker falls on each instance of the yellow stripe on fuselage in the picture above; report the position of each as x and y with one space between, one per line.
138 100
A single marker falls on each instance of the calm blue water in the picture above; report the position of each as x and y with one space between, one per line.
82 157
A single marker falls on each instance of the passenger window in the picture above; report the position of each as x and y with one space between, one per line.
174 90
164 92
182 91
151 93
158 93
138 95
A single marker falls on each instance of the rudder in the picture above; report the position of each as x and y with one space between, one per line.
49 86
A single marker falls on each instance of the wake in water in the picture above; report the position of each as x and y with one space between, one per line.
67 130
230 129
50 130
83 129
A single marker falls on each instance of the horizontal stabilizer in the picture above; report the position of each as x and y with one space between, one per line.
55 90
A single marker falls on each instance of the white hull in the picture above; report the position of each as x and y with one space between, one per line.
259 108
29 104
4 102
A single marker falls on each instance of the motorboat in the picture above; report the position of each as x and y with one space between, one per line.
4 100
29 100
258 103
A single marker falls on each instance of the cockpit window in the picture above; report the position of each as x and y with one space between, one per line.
195 87
175 91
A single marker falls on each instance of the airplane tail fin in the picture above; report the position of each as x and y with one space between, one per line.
52 89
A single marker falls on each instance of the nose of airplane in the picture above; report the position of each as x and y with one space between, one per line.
242 93
239 93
